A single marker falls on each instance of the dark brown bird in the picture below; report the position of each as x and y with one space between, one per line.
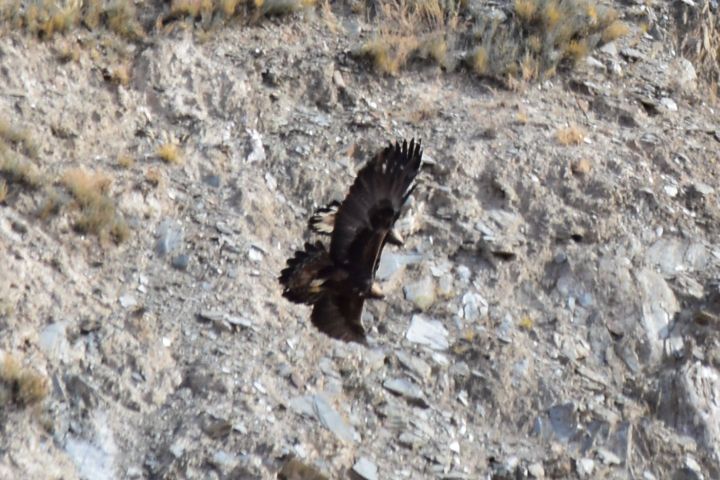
337 281
322 222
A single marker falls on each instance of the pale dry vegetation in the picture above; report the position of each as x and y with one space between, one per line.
541 36
133 20
97 212
570 135
17 148
169 152
20 386
408 29
534 39
698 38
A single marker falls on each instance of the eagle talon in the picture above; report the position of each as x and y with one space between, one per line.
395 238
376 291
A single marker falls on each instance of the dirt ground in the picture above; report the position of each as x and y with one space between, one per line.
554 312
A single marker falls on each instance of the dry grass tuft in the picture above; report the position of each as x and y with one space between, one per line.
121 75
20 387
480 62
526 10
125 161
615 30
283 7
98 214
537 39
22 172
3 190
570 135
577 50
50 205
153 176
169 152
21 138
410 29
697 36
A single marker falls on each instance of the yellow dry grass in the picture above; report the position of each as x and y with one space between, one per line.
98 214
169 152
615 30
570 135
20 386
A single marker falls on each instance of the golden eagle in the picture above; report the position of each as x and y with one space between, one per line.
336 281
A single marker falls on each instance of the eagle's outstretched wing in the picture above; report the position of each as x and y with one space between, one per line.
303 279
366 216
338 315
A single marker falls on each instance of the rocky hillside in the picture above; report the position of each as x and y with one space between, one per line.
554 312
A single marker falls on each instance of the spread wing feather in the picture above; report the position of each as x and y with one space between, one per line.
303 279
372 206
338 316
323 220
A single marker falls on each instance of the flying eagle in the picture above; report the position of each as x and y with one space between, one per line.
336 281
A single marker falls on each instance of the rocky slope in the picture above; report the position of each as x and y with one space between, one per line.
553 313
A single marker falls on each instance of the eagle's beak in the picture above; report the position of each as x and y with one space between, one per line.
395 238
376 291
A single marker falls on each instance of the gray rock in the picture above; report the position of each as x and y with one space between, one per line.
169 237
421 293
691 470
302 405
610 48
180 262
407 389
127 301
224 461
563 420
595 63
536 470
255 149
416 365
585 467
659 306
255 254
608 457
668 104
682 75
703 189
673 255
391 262
431 333
53 341
94 458
631 54
331 420
365 469
700 385
504 331
212 180
671 190
411 440
237 321
474 306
